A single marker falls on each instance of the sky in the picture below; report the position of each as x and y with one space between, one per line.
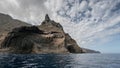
94 24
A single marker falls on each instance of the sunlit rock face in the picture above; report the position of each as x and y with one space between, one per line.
49 37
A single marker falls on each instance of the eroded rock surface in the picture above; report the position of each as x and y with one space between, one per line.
49 37
7 24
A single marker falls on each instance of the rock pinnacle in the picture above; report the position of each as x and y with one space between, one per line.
47 18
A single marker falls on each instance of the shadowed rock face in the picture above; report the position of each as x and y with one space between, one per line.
7 24
49 37
71 45
33 40
19 40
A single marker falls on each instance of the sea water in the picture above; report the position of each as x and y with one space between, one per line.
59 60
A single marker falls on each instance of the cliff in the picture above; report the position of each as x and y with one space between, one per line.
49 37
7 24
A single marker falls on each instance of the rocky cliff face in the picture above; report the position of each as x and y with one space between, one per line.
49 37
7 23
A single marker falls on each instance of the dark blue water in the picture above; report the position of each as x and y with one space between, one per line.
60 61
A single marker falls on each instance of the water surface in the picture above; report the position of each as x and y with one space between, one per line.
60 60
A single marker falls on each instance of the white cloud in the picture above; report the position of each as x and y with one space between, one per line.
82 6
32 11
94 19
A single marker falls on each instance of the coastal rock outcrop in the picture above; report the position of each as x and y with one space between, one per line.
49 37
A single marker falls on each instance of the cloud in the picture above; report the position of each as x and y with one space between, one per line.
32 11
85 20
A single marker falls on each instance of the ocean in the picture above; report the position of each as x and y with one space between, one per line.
59 60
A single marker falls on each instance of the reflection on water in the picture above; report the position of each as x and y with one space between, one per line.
60 61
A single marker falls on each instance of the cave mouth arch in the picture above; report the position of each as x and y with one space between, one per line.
71 49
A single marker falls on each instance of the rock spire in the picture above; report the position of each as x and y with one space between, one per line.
47 17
